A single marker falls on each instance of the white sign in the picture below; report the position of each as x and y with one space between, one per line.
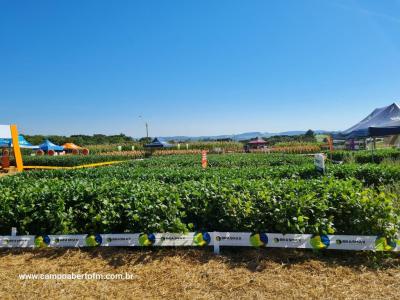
319 162
5 132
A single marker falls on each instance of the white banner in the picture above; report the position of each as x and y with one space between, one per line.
22 241
5 132
200 239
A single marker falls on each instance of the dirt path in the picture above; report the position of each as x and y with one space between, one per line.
198 274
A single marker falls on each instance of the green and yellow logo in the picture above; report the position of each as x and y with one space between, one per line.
146 239
201 239
320 242
258 239
42 241
93 240
384 244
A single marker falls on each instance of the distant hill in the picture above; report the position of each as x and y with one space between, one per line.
239 137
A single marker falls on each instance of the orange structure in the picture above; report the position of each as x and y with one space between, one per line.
71 146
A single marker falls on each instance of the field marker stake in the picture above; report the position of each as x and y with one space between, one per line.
215 237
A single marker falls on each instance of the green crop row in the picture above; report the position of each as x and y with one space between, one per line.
214 160
228 160
369 174
191 160
70 160
100 205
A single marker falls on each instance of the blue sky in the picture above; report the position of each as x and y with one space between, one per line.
196 67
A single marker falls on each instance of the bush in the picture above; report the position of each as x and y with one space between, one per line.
160 195
366 156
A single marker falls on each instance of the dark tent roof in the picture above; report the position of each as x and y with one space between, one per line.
47 145
158 143
258 141
382 121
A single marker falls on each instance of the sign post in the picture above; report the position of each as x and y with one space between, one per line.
204 159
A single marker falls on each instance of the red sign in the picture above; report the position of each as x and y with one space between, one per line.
204 159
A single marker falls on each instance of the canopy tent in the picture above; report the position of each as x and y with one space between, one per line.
5 143
47 145
23 143
71 146
158 143
381 122
257 141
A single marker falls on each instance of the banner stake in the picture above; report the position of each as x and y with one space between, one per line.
216 239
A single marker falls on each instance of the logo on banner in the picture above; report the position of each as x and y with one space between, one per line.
93 240
288 240
320 242
42 241
384 244
360 242
172 238
117 239
228 238
258 239
201 239
147 239
65 240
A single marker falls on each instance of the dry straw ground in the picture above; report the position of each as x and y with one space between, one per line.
199 274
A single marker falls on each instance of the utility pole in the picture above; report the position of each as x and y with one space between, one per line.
147 127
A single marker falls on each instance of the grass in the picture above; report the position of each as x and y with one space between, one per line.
199 274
